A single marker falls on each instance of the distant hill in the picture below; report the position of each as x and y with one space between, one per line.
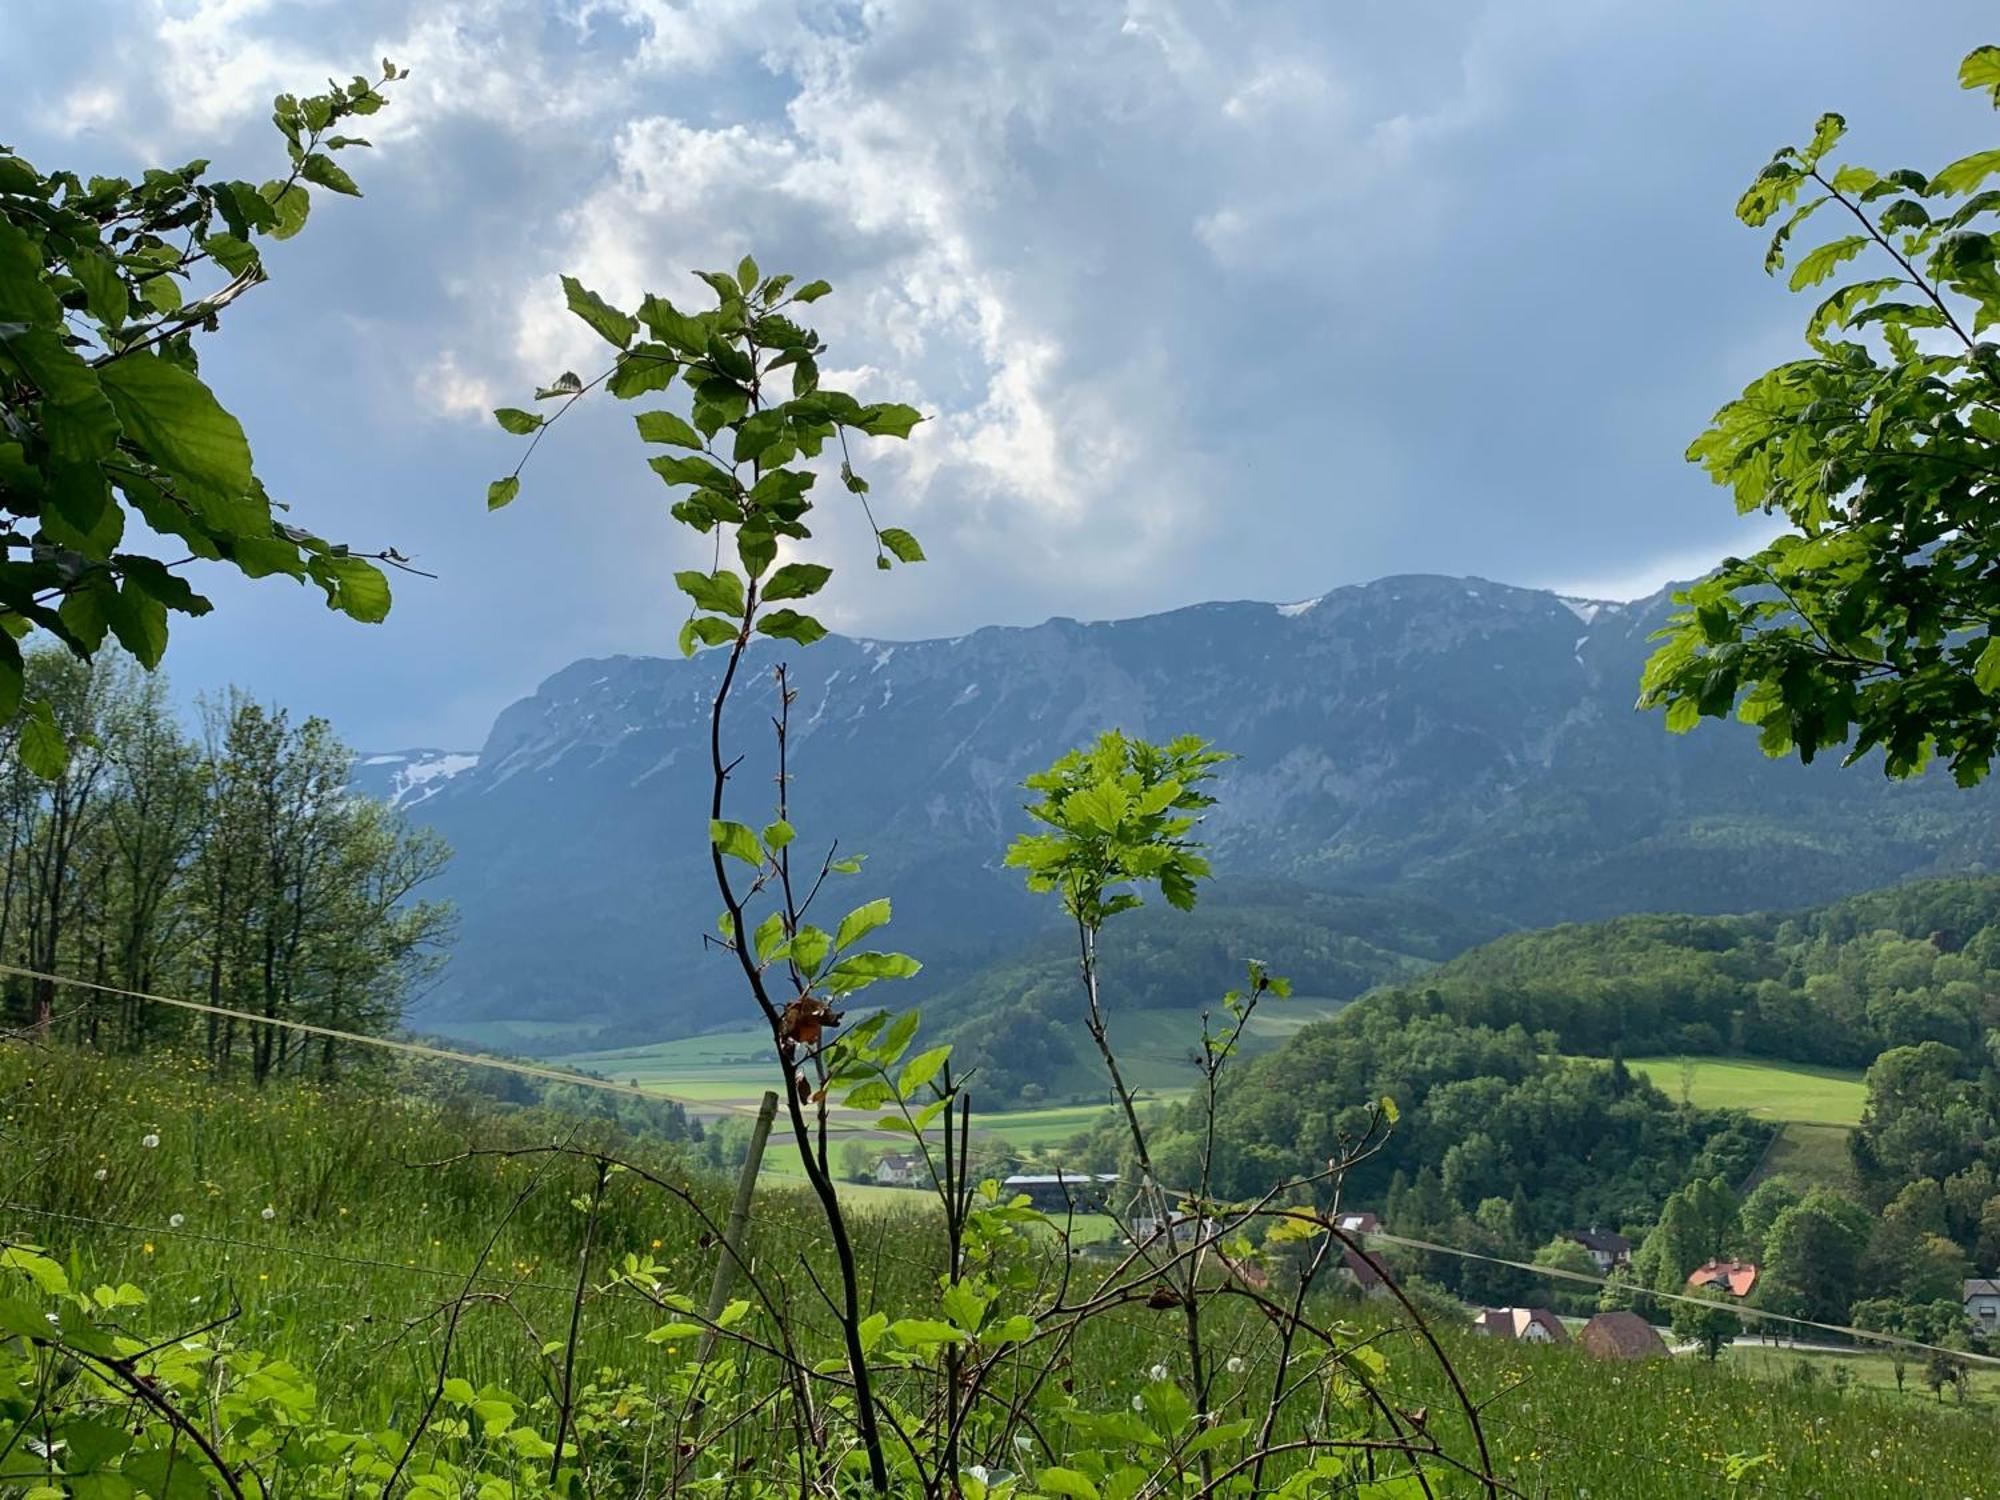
1463 746
1834 985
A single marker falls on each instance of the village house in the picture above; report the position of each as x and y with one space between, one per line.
1609 1250
1736 1277
1982 1303
1526 1325
1361 1224
1189 1229
899 1170
1358 1271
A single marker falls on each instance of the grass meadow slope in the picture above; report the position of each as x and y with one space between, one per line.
321 1218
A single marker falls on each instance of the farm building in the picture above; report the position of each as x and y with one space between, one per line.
1622 1335
1527 1325
1063 1192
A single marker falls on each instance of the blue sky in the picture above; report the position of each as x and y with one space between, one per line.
1206 300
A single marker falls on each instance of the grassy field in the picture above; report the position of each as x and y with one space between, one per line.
377 1217
1815 1107
722 1072
1875 1372
1788 1092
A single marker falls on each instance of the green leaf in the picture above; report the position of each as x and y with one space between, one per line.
1067 1482
103 287
721 591
1826 135
790 625
648 367
233 253
138 620
809 948
516 421
177 420
859 970
671 326
1981 70
918 1333
863 920
757 435
921 1069
746 274
888 419
81 425
667 427
870 1095
770 932
708 630
812 291
613 326
778 834
691 470
902 544
735 839
796 581
871 1330
502 491
329 174
356 587
1965 174
290 204
1986 671
41 744
1825 260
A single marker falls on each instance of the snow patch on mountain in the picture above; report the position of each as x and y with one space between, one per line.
418 775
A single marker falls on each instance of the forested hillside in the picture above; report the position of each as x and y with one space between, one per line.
1466 745
1835 985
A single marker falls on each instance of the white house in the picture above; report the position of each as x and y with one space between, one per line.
1982 1303
899 1170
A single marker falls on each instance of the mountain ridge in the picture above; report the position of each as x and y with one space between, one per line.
1448 740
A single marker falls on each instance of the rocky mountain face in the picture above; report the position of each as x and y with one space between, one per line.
1466 744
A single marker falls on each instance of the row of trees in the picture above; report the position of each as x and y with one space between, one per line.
229 865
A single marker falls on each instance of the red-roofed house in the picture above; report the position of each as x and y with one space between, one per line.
1736 1277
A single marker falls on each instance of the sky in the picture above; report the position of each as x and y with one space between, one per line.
1202 301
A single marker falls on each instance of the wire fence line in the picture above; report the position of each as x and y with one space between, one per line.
420 1049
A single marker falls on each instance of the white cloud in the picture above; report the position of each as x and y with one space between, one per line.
449 391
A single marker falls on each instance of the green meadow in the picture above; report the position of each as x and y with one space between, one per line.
377 1220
